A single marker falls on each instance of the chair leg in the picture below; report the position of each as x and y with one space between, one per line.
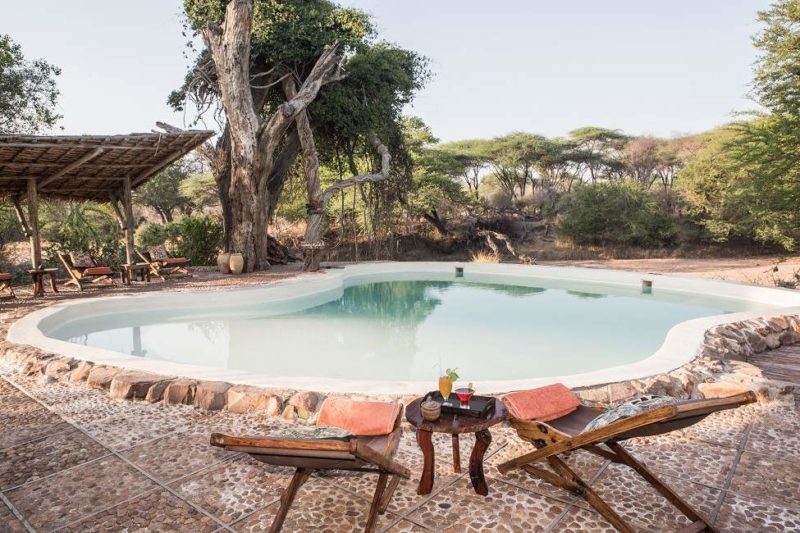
592 498
387 496
683 506
300 477
376 503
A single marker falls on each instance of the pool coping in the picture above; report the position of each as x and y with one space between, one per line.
681 345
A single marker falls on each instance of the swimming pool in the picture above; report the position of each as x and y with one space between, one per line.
390 327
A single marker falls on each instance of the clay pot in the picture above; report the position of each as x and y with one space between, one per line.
236 263
431 411
223 263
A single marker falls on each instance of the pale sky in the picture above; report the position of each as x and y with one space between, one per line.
646 67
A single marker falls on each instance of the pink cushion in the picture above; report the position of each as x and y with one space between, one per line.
4 276
543 404
359 418
175 261
97 271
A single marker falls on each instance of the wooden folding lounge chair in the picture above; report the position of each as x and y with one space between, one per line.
362 454
5 284
162 264
565 434
86 272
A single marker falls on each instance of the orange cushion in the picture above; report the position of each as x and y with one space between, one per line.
359 418
98 271
175 260
543 404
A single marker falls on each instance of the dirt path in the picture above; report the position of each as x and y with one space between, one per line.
756 270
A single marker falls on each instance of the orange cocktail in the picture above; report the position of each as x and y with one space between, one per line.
445 386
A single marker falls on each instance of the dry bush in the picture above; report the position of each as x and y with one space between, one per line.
484 257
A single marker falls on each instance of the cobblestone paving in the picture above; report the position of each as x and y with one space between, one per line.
71 459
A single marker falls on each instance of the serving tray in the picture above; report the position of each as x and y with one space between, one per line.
479 406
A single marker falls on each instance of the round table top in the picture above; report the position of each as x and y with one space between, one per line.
454 423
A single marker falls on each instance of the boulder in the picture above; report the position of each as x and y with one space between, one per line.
778 323
132 384
756 341
245 399
288 413
274 406
210 395
180 392
58 368
307 401
156 392
621 392
721 389
100 376
81 371
747 369
593 396
773 341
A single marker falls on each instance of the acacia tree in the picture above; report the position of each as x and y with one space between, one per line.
28 93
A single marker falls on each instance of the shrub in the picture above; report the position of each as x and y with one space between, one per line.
82 227
616 214
198 238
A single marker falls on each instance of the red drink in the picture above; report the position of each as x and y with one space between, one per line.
464 395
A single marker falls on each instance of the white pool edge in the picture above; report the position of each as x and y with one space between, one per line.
680 346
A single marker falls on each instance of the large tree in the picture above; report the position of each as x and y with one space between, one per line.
28 93
255 132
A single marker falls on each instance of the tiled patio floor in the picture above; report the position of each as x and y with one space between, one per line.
73 460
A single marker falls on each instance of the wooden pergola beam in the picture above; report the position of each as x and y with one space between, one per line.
127 205
21 215
177 154
71 166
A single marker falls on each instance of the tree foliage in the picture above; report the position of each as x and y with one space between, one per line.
28 93
616 214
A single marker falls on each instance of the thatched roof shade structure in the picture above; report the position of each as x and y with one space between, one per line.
103 168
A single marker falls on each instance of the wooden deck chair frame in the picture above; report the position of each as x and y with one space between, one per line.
162 270
358 454
80 280
5 286
563 435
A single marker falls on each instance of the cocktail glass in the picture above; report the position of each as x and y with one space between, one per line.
445 388
465 395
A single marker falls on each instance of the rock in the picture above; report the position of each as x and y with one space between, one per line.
721 389
100 376
756 341
156 392
747 369
621 392
245 399
132 384
307 401
210 395
288 413
778 323
593 396
81 371
274 406
180 392
58 368
773 341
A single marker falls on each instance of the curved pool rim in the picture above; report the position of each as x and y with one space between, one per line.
679 347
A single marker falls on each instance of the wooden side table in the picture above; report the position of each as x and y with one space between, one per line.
37 277
454 425
129 271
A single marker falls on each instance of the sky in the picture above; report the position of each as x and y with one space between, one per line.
547 67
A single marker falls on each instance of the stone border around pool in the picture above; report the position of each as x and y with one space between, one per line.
719 369
679 348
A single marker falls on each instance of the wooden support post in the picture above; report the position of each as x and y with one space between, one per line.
33 224
127 205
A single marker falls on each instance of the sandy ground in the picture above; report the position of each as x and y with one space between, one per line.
762 270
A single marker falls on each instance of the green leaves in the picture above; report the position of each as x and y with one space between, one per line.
28 93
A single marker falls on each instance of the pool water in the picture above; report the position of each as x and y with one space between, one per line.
407 330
